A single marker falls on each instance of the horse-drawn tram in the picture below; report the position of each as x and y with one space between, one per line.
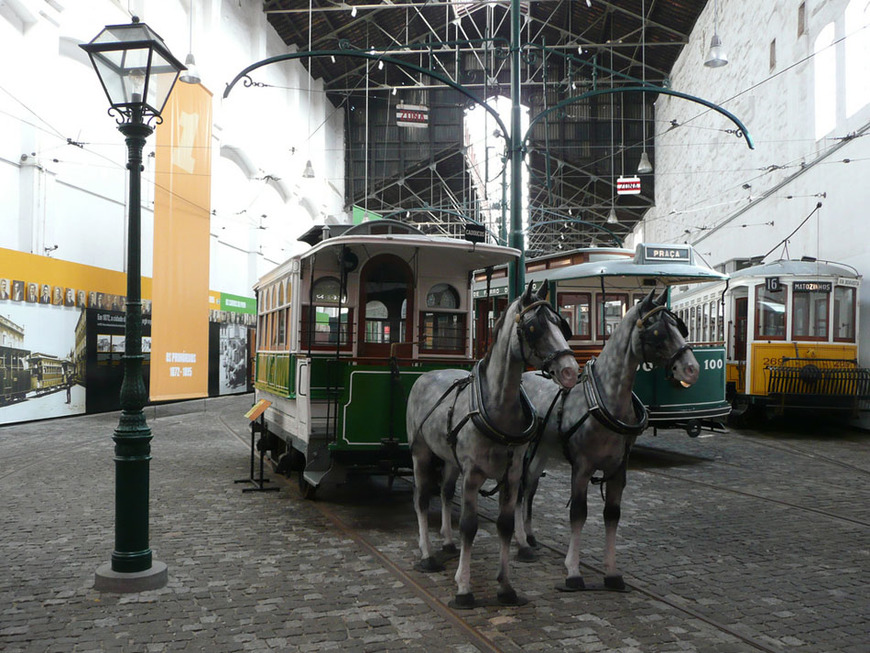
594 288
345 329
791 328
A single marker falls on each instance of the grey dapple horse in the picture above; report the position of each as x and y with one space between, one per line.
479 424
595 425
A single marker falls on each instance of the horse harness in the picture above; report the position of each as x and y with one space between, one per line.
598 409
479 416
595 403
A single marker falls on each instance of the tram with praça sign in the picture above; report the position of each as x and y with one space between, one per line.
593 288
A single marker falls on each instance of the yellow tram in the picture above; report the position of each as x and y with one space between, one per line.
791 332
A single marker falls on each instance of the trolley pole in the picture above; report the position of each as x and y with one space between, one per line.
516 269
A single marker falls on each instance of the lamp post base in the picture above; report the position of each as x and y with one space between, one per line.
106 580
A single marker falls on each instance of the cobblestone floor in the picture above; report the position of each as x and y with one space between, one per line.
737 542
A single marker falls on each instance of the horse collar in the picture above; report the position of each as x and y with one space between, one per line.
480 417
599 410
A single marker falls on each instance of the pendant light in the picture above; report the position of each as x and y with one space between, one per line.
308 173
191 75
716 57
644 167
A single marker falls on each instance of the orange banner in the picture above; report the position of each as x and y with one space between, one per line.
182 205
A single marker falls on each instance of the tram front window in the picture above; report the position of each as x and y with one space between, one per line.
844 314
810 315
329 322
769 314
442 324
576 308
613 310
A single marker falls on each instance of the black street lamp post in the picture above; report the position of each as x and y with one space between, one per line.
137 72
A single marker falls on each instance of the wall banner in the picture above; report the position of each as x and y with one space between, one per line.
42 339
182 205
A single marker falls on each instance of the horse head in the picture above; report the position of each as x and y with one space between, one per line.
543 337
661 340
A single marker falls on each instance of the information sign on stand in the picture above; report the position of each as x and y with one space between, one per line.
258 425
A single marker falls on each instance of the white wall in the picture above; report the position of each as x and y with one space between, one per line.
54 193
701 170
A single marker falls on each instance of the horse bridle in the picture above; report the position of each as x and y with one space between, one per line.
526 333
649 332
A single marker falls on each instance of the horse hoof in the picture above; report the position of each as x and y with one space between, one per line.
450 550
614 583
572 584
429 565
462 602
526 554
510 597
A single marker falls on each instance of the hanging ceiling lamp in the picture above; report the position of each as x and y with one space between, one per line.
191 75
611 217
716 58
308 173
644 167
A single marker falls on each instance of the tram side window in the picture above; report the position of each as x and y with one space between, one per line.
576 308
443 324
613 310
325 324
770 321
844 314
810 311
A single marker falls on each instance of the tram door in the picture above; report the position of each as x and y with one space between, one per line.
741 311
386 303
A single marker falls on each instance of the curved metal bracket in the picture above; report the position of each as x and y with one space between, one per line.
741 128
359 54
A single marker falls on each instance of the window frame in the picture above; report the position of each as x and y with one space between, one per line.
853 317
561 302
760 288
306 341
810 296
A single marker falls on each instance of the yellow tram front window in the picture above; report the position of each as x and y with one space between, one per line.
770 320
810 315
576 308
844 314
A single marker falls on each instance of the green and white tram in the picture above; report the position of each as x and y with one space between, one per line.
594 287
343 332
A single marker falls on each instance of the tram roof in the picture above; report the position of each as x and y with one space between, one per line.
450 252
800 268
644 263
453 251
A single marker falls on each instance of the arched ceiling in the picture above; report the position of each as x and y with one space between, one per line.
573 156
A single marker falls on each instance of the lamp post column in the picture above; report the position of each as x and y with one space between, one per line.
132 568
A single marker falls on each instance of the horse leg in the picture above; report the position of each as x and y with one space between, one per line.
468 522
424 480
523 527
448 490
612 501
507 501
579 483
